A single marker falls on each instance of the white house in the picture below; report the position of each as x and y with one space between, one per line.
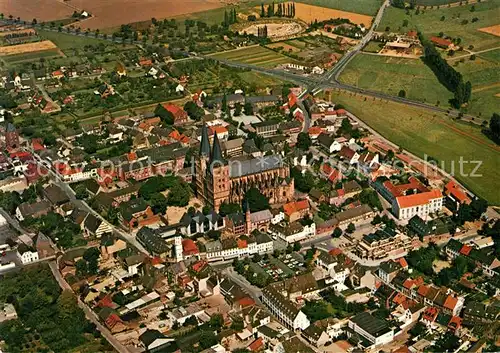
420 204
179 88
292 232
27 255
284 309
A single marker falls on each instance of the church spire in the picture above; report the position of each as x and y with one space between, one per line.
216 151
205 144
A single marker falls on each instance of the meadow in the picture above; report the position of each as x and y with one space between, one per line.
453 25
255 55
390 75
423 132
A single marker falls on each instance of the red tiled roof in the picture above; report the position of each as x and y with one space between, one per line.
112 320
430 314
297 206
422 290
200 265
189 247
335 252
453 189
402 262
401 189
246 302
450 302
176 111
256 345
315 130
455 323
156 260
132 156
241 243
292 100
346 152
418 199
441 41
106 302
465 250
218 129
399 298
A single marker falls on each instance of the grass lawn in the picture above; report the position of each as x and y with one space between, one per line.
484 74
365 7
373 47
33 56
256 55
68 41
429 22
423 132
259 79
390 75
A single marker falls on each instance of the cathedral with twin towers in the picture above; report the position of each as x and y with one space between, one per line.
219 180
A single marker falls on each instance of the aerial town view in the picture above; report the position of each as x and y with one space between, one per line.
215 176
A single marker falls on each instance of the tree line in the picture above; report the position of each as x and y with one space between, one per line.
446 74
282 10
230 17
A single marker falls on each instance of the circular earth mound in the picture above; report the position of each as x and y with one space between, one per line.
274 29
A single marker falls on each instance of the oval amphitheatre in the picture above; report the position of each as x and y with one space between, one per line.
275 29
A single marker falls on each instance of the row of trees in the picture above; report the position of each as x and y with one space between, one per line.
230 17
447 75
283 10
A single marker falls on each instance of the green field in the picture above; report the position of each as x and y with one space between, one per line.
390 75
430 24
256 55
33 56
373 47
68 41
423 132
435 2
484 74
365 7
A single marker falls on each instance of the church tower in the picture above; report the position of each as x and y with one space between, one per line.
218 170
200 165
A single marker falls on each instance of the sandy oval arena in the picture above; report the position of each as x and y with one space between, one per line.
275 30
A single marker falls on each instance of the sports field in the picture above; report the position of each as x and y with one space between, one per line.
390 75
255 55
365 7
423 132
430 24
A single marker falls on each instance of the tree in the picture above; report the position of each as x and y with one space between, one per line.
81 192
402 93
297 246
158 203
337 232
216 322
495 127
237 109
208 339
238 324
229 208
193 110
304 141
179 195
164 114
351 228
81 268
256 200
262 10
248 108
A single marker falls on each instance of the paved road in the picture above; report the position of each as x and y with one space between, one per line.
89 314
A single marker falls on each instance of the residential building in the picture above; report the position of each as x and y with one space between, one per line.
374 330
296 210
179 115
26 254
292 232
96 227
267 128
34 210
233 148
483 257
284 309
383 243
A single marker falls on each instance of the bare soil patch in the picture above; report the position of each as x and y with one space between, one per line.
113 13
42 10
27 48
287 47
309 13
495 30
